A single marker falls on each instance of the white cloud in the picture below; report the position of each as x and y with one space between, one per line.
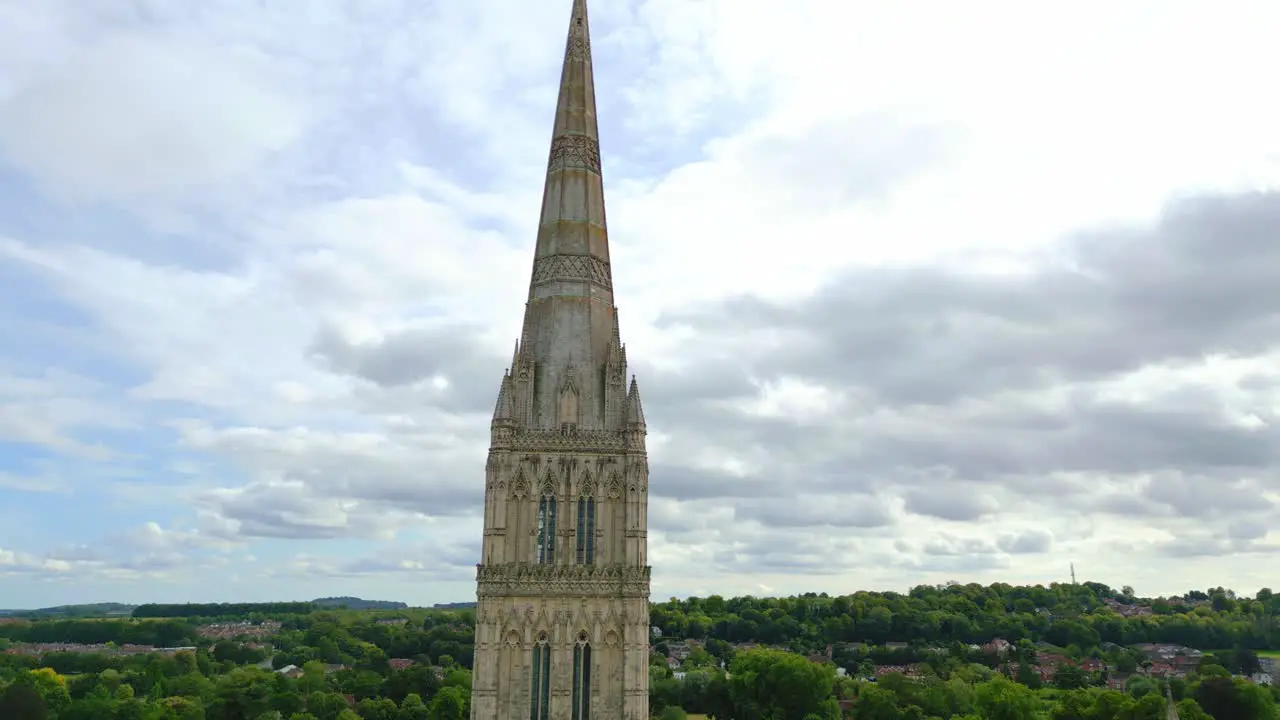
139 117
311 356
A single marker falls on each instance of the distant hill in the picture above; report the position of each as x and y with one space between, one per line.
110 609
454 606
88 610
355 603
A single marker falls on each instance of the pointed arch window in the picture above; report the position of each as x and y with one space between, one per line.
546 550
540 690
586 530
582 678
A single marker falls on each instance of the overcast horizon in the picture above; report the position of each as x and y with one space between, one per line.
913 293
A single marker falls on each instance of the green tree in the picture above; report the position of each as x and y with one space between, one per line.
1189 709
772 683
181 708
1070 677
242 694
1113 706
416 680
287 702
1148 707
22 702
1075 704
51 687
378 709
412 708
1003 699
718 698
312 679
449 704
875 703
326 705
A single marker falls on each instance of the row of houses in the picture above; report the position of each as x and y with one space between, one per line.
38 650
293 671
232 630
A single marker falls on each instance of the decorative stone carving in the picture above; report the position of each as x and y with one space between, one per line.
520 488
553 440
531 580
576 268
574 152
579 47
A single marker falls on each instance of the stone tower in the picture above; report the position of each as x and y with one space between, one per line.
562 621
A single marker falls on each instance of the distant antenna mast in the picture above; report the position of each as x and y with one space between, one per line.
1073 573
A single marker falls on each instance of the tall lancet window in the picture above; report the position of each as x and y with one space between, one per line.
540 691
547 528
586 530
582 678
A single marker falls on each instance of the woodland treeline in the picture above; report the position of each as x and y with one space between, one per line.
223 610
1061 614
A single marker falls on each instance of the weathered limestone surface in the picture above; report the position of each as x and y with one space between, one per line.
567 426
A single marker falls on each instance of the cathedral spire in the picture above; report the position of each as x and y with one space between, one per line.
572 223
570 325
567 478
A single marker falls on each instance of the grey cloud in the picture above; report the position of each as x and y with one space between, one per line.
950 502
413 356
788 552
442 572
1126 505
846 511
1204 545
1247 530
960 564
688 483
439 562
311 473
1114 302
945 544
674 517
999 380
710 380
1204 497
287 510
1023 542
1027 542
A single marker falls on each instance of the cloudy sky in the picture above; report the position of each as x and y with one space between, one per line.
915 291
